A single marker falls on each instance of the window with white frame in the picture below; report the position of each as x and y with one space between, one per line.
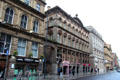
35 49
35 26
23 21
21 47
38 7
5 43
9 15
27 2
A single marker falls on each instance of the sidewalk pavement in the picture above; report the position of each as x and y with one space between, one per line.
55 77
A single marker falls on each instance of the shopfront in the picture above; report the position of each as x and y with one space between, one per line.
26 67
65 67
2 68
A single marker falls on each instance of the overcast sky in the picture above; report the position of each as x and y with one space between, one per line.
103 15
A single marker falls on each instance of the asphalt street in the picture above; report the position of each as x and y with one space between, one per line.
108 76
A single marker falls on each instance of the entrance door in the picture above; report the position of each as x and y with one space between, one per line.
2 67
64 70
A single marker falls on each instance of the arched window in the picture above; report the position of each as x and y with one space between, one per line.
38 7
9 15
27 2
23 21
59 38
35 26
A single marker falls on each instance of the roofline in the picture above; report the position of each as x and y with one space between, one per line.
57 9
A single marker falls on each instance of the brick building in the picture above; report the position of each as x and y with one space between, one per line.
21 34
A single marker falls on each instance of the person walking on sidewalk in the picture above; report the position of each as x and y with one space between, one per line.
91 70
98 70
73 71
61 74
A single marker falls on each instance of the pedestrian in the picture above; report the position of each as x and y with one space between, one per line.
59 70
98 70
61 74
91 70
73 71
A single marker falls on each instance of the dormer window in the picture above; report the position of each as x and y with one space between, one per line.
38 7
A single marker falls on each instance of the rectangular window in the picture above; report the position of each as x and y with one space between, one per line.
64 40
58 38
38 7
5 43
35 26
21 47
35 49
72 43
69 42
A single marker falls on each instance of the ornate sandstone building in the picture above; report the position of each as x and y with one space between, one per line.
21 35
69 40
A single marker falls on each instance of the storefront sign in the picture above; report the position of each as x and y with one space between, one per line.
19 59
66 63
28 60
36 60
89 64
84 64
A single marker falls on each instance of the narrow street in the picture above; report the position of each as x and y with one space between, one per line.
108 76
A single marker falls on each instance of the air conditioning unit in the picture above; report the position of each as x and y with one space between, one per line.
31 31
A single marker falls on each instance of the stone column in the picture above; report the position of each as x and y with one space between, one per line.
1 10
54 64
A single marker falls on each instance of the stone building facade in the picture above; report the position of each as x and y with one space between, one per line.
115 60
109 57
96 49
70 40
21 35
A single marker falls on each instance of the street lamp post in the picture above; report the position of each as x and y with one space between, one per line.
40 68
6 65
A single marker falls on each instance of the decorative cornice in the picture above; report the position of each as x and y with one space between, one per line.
19 29
57 9
70 33
22 4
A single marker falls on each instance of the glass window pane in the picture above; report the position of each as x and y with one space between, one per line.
38 7
5 42
21 47
8 39
1 47
23 21
35 27
8 15
35 49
